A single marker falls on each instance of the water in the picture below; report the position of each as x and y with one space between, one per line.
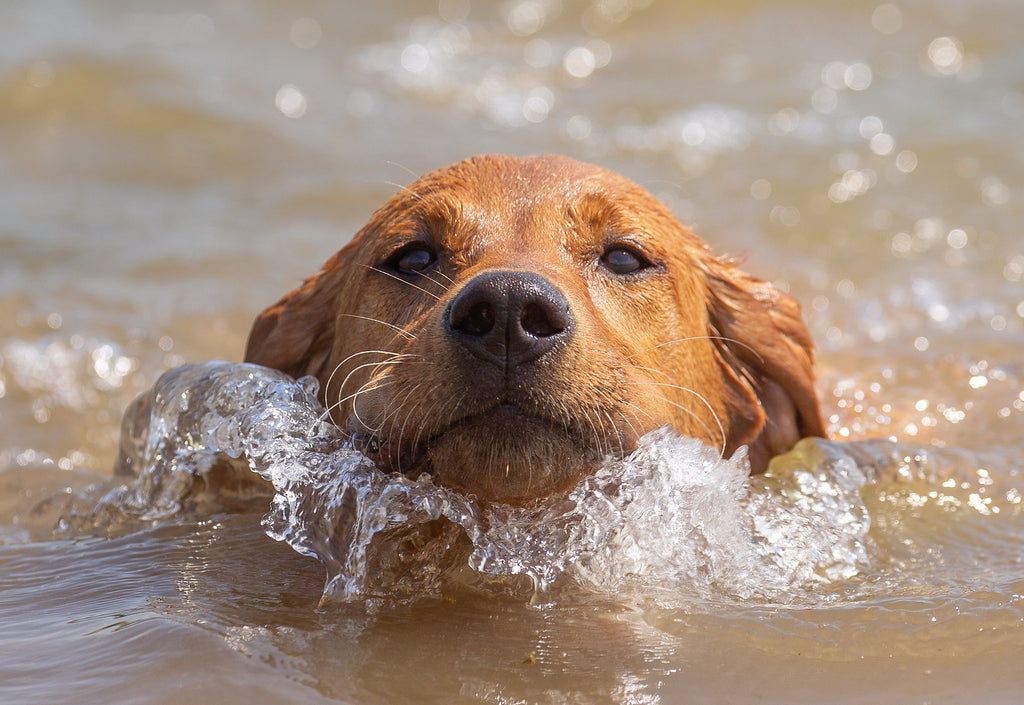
672 516
167 172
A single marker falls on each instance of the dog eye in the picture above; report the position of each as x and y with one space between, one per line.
623 260
412 260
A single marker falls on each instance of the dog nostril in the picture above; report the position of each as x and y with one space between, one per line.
478 319
538 321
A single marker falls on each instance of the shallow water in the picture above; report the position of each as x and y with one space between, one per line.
164 174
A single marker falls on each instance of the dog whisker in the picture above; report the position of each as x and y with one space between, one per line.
378 379
392 358
606 432
397 408
399 279
399 329
393 363
367 352
437 273
702 398
692 338
330 379
654 370
593 426
429 413
402 188
403 167
380 428
380 383
355 411
633 429
410 408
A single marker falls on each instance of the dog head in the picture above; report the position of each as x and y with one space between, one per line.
504 323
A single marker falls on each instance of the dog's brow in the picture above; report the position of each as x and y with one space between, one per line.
460 229
594 209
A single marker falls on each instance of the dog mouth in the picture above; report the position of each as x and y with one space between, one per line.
501 454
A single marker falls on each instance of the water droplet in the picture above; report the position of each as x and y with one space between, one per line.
994 192
832 75
870 126
526 18
906 161
857 76
882 144
938 312
946 55
579 62
957 239
415 58
538 104
290 101
761 189
887 18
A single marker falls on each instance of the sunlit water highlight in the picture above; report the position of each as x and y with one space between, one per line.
170 169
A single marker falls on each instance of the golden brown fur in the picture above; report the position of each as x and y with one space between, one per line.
612 320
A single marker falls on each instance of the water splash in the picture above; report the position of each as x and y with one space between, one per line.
672 517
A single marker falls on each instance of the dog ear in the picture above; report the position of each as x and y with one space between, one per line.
296 334
768 357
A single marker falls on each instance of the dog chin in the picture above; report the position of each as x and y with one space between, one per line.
504 456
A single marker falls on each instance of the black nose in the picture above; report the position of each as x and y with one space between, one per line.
508 318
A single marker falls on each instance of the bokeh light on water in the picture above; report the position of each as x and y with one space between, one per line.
166 172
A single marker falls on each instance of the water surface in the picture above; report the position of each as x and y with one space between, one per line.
167 172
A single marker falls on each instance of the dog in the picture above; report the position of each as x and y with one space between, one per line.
505 323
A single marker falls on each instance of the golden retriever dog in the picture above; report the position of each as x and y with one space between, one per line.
504 323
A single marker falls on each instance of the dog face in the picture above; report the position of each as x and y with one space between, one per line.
503 323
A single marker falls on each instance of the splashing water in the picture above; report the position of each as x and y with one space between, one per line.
672 516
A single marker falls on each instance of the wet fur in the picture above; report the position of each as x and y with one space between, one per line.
691 341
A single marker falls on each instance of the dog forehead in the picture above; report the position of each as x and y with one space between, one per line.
518 205
524 186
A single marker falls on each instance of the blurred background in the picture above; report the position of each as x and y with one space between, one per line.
169 169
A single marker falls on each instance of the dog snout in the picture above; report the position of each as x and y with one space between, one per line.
509 318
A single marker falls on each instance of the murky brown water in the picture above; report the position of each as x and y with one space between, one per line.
166 173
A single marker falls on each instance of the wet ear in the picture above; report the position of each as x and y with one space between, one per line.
296 334
768 356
